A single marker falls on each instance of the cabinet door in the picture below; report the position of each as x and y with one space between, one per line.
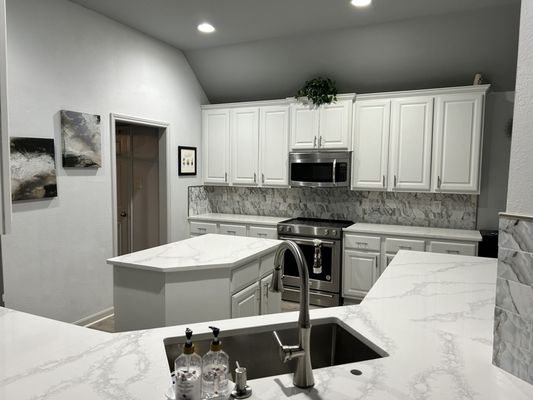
246 302
270 302
274 146
245 146
359 273
334 125
371 144
304 127
215 132
411 135
457 143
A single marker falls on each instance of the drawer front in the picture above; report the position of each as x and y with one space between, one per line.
267 265
361 242
244 276
263 232
200 228
465 249
230 229
395 245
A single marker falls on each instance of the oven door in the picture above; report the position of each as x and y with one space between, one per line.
329 279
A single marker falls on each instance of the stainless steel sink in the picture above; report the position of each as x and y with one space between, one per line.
332 343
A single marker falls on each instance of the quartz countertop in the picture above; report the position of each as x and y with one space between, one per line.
432 313
202 252
238 218
415 231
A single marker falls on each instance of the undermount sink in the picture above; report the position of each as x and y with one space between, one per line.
332 343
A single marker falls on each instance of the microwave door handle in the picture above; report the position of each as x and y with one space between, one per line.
334 170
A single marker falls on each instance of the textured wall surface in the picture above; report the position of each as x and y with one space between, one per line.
520 191
513 316
417 209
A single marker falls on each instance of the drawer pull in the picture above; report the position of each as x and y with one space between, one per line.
262 234
362 243
452 251
232 232
202 229
405 247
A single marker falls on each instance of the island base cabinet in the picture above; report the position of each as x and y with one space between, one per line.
360 273
270 301
247 302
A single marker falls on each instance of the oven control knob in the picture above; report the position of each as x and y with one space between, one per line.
333 232
326 232
281 229
289 229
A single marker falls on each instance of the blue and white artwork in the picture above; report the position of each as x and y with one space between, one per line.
81 140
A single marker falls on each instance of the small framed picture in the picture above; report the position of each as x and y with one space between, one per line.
187 160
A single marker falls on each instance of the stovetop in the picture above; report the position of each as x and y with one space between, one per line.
313 227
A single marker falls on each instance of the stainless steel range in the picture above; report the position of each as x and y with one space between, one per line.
321 242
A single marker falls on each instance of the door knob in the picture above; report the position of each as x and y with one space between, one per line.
123 214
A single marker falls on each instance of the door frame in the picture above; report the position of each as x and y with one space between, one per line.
164 175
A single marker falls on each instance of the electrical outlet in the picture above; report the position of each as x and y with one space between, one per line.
437 207
365 203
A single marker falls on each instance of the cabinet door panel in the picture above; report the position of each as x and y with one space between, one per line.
371 144
246 302
304 127
270 302
245 144
334 125
411 130
360 273
215 132
274 146
457 150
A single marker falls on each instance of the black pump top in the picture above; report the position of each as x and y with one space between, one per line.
189 347
216 344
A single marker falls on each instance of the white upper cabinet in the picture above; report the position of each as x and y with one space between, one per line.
411 135
274 145
371 144
334 125
325 127
245 145
215 135
304 127
457 142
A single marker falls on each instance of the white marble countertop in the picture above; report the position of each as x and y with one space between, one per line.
238 219
201 252
432 313
415 231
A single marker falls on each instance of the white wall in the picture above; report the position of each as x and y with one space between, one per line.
520 194
63 56
495 162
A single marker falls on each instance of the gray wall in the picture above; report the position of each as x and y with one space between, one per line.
63 56
495 161
417 53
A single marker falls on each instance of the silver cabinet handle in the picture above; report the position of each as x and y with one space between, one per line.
255 177
225 176
232 232
320 141
314 142
259 234
439 182
383 180
395 180
405 247
202 229
334 170
262 178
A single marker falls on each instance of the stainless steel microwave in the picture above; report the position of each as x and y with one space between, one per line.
320 168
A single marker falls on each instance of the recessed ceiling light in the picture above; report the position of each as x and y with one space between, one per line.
361 3
206 28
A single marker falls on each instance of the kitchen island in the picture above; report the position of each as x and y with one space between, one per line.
432 313
204 278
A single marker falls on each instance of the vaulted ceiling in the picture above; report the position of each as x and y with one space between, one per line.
267 49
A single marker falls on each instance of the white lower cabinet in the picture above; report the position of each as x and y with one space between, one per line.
247 302
360 272
270 302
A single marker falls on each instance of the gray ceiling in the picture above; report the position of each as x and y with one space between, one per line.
266 49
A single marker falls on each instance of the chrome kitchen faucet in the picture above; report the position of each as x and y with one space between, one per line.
303 374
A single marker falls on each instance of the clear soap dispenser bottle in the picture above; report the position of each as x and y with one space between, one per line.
215 370
188 372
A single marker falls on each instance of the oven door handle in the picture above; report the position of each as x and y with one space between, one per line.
306 241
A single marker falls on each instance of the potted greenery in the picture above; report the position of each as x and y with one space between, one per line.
318 91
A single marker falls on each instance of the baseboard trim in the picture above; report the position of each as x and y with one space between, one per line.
93 318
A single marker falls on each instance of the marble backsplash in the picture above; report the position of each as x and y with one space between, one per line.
513 313
417 209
